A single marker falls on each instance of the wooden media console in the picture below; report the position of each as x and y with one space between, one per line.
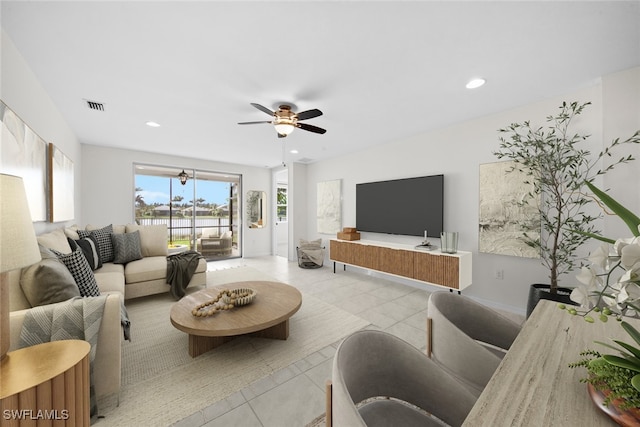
451 271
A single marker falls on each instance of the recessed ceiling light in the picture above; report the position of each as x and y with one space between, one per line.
475 83
294 151
153 124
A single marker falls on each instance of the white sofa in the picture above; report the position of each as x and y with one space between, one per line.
137 278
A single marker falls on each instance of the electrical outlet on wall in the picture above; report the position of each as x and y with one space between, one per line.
499 274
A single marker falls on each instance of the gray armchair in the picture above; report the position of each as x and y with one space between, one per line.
467 339
210 243
381 380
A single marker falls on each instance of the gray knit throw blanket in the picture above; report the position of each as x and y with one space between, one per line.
180 269
78 318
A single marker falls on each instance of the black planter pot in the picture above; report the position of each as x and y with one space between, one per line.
538 291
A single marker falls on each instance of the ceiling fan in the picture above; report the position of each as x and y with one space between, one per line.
285 120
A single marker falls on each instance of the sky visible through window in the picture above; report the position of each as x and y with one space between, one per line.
156 190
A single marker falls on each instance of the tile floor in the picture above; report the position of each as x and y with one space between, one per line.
295 395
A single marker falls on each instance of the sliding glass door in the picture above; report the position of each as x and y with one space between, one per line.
201 213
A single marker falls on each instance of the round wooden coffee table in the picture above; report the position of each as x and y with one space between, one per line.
266 317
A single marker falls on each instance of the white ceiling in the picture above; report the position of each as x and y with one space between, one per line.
379 71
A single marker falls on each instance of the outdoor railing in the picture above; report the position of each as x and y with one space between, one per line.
181 228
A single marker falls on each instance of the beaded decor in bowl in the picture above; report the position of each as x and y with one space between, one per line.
248 296
225 300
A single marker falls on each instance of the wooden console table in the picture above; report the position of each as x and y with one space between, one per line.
46 384
452 271
533 386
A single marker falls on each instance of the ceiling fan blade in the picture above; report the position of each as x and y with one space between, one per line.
264 109
253 123
309 114
311 128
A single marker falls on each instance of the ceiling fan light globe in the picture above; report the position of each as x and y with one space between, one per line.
284 128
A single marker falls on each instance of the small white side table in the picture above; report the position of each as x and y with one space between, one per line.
177 249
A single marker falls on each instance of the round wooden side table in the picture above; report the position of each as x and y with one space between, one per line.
46 383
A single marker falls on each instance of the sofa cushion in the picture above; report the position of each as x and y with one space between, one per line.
103 236
110 267
90 249
47 281
126 247
210 232
153 238
55 239
111 282
146 269
81 271
110 278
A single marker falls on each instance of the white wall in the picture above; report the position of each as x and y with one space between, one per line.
108 187
22 92
621 102
457 152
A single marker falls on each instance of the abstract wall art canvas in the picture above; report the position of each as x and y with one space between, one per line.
506 212
23 153
329 208
60 185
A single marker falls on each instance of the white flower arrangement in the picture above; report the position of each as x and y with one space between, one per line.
611 284
613 279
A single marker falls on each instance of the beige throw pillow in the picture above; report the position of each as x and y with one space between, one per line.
55 239
153 239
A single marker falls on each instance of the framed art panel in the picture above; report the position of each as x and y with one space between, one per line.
504 213
329 208
24 154
60 185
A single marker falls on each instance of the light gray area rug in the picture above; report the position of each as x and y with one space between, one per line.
162 384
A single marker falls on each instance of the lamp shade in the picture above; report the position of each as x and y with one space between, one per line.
18 244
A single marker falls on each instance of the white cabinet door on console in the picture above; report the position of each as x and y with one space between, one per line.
448 270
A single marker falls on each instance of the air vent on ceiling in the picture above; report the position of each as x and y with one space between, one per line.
93 105
305 160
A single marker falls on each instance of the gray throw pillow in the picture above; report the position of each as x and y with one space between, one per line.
126 247
103 237
79 268
47 281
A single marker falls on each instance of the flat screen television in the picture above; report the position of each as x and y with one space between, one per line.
403 206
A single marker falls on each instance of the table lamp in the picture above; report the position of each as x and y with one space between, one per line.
18 244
